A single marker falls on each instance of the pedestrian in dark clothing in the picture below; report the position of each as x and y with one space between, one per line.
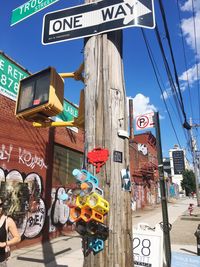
7 226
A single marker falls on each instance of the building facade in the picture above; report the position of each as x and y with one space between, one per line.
144 170
35 165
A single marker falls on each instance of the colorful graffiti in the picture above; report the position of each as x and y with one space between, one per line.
22 197
22 201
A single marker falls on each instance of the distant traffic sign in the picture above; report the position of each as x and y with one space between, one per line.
144 121
97 17
28 9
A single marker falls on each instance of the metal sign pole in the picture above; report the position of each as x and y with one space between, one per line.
167 244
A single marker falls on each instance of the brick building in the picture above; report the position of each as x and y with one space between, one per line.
35 165
144 169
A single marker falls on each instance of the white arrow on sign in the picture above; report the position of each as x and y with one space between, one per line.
139 10
129 10
97 17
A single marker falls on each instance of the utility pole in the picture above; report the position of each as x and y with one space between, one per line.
166 228
194 157
105 115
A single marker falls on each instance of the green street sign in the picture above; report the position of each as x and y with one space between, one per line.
28 9
10 75
69 112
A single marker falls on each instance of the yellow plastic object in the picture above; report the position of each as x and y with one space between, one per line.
54 124
40 96
97 203
75 214
81 201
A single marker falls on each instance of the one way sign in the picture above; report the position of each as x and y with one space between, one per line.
97 17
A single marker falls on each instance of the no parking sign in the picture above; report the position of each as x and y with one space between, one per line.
144 121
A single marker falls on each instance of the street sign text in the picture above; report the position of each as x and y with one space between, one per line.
95 18
28 9
10 75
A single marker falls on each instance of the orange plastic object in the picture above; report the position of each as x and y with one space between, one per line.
87 214
75 214
97 216
84 186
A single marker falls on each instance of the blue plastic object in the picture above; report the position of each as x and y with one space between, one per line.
96 245
85 176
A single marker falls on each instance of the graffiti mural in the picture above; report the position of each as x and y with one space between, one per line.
22 201
25 157
5 153
60 210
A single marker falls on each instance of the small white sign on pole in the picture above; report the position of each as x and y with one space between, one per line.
144 121
147 246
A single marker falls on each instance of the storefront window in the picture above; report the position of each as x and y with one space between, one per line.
64 162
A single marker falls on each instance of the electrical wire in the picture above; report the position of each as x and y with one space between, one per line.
196 54
170 78
185 61
153 63
173 60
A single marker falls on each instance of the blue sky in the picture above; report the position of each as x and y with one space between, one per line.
22 42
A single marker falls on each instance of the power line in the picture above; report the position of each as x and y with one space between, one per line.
196 54
155 72
170 78
173 61
185 61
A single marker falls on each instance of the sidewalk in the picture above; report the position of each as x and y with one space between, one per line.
63 251
66 251
182 234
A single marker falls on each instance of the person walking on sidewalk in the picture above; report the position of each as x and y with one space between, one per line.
7 225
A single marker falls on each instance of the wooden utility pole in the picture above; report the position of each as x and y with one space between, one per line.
105 115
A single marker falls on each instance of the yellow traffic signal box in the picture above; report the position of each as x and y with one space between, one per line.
40 96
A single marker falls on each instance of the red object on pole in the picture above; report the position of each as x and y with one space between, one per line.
98 157
190 208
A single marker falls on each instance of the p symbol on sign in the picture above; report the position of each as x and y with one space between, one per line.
142 122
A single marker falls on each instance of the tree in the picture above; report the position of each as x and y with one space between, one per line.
188 182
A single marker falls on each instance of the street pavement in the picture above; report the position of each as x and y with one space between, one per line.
65 251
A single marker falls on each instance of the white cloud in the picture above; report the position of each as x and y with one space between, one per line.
187 6
141 105
191 74
187 24
166 94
